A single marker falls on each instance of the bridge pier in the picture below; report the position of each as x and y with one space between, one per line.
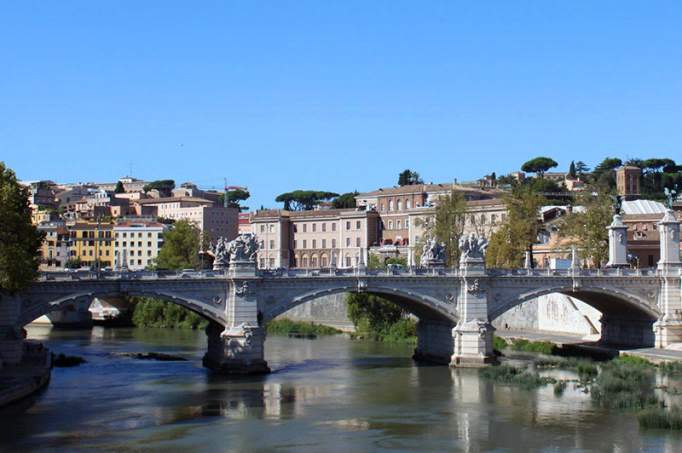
473 334
434 341
627 331
235 350
669 327
11 338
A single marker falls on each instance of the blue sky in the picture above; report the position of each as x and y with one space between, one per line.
338 96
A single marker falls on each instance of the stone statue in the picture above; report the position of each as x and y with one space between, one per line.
220 253
243 248
670 196
433 253
472 247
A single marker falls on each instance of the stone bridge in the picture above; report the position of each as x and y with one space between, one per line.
640 307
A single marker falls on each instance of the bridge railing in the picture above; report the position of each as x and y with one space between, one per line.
599 272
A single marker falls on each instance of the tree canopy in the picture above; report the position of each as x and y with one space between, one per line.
304 200
449 224
519 231
20 240
181 246
346 200
119 188
587 229
539 165
234 197
408 177
162 185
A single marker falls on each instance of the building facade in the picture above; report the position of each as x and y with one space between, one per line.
315 239
92 244
137 244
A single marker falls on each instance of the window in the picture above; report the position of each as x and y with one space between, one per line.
398 224
390 224
262 230
314 227
324 227
305 227
314 243
139 243
149 235
399 205
304 243
304 261
324 243
358 225
272 262
149 243
347 225
272 244
390 205
407 223
149 253
262 261
382 207
333 227
347 261
357 242
333 243
347 242
408 204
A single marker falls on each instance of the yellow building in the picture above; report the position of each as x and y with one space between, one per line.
93 244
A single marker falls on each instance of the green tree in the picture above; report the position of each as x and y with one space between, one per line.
119 188
304 200
448 224
346 200
586 229
408 177
572 171
519 231
581 168
539 165
162 185
153 312
603 175
234 197
20 240
181 246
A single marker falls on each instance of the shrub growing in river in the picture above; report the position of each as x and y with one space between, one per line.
287 326
625 384
506 374
542 347
657 417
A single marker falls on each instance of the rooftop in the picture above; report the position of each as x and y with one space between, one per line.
643 207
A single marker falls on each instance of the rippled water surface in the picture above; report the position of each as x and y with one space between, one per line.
329 394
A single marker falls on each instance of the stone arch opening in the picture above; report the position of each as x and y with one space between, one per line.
625 319
38 309
434 320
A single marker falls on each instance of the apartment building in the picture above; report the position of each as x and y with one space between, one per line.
314 239
55 249
216 221
137 244
92 244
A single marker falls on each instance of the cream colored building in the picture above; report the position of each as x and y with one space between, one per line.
216 221
315 239
137 244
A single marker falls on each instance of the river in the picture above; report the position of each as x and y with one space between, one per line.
329 394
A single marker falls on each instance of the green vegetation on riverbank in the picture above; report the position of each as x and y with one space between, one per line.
507 374
151 312
287 326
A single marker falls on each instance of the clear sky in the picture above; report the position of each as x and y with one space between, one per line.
333 95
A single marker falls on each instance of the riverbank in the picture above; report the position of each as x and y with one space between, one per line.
590 345
28 377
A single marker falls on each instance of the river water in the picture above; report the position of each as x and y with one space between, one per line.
329 394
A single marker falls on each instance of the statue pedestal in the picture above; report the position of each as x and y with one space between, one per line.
236 350
618 243
473 344
472 266
242 269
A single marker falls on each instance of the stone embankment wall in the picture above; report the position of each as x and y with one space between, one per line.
554 312
328 310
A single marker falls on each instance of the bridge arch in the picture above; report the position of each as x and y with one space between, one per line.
39 308
627 318
423 306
